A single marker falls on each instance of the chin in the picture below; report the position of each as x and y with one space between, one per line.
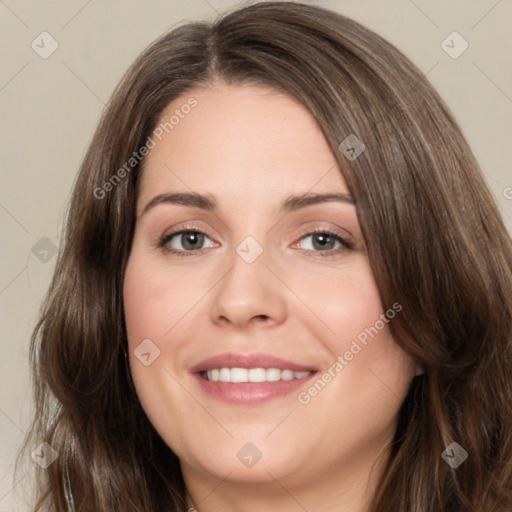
247 463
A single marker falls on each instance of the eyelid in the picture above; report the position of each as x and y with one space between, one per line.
321 226
186 226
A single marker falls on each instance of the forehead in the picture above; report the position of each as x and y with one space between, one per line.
239 141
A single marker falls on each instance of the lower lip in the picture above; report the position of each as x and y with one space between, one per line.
250 392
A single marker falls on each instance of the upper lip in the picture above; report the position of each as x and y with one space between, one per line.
232 360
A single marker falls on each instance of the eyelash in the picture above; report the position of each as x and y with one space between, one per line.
192 229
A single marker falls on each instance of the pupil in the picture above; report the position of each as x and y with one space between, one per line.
188 237
323 240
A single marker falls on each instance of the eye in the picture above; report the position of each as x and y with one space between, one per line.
190 241
184 241
324 242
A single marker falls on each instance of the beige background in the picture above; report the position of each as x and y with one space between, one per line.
50 107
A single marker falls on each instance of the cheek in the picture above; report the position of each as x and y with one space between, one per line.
139 303
364 366
156 304
348 303
155 298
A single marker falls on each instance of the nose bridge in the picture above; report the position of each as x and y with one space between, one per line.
250 249
249 289
249 272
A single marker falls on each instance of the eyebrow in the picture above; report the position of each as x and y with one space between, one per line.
208 203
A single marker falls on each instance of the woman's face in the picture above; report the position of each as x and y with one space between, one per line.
253 293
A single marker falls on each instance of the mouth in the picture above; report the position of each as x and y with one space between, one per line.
249 378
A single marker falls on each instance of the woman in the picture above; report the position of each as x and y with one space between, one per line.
283 284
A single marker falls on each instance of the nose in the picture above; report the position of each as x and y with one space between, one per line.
249 293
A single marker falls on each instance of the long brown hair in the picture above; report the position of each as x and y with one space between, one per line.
435 240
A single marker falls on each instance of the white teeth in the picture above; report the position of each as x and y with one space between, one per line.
224 375
257 375
253 374
238 375
273 374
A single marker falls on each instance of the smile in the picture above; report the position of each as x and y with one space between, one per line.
249 379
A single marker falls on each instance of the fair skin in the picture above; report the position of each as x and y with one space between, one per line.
250 148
